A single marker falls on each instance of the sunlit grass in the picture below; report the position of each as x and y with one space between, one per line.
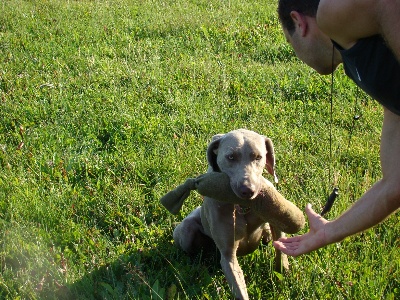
106 106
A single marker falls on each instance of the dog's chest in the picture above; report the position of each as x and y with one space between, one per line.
234 217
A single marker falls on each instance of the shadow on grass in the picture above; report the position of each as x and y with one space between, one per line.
163 272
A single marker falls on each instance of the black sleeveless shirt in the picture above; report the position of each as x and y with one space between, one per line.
374 68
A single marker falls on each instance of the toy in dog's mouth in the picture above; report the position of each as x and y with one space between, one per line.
268 203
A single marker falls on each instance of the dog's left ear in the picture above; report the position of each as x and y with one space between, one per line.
212 152
270 162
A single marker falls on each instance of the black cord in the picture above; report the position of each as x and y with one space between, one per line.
331 116
356 117
331 198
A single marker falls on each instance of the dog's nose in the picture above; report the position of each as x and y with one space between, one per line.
246 192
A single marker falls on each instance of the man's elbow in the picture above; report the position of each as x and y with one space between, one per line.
393 196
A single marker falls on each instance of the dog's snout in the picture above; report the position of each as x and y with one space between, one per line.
246 192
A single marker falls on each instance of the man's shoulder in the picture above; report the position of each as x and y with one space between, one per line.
347 21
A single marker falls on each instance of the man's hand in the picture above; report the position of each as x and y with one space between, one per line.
312 240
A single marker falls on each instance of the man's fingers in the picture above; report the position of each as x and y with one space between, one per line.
310 212
297 245
290 243
287 248
292 239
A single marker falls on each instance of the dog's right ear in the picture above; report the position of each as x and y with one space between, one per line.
212 152
270 163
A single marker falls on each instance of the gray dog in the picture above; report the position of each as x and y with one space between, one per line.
242 155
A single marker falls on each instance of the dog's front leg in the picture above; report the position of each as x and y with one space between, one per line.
281 260
234 276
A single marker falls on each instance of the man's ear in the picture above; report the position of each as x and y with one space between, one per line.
299 21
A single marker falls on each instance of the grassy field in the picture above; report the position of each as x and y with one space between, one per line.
107 105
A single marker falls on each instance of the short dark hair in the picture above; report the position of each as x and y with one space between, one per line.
305 7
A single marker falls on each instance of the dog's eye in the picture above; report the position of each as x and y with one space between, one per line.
230 157
258 157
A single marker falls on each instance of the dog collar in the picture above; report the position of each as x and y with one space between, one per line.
242 210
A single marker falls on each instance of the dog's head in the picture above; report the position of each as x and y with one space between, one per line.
243 155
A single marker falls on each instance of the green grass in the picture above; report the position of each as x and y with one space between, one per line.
107 105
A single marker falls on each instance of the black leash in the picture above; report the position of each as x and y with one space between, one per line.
335 192
332 197
330 201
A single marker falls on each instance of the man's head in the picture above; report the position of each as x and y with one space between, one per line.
311 45
285 7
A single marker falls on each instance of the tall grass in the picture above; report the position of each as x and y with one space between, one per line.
107 105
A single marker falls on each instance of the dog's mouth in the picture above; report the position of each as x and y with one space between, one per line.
246 191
